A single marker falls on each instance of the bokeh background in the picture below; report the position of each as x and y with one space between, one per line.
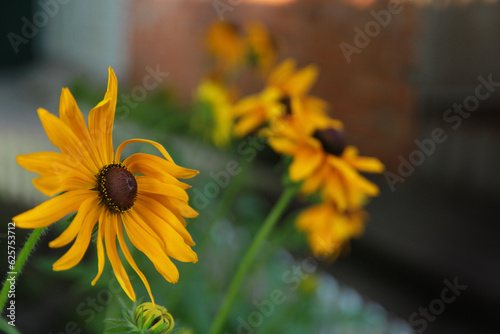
438 222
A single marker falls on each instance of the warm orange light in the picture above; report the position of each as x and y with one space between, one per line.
261 2
360 3
271 2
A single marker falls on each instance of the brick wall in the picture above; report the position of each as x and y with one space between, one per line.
371 94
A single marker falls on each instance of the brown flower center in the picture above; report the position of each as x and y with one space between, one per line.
332 140
117 187
286 101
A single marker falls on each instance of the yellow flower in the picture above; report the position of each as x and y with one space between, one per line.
324 163
225 45
285 93
261 48
328 230
220 120
140 197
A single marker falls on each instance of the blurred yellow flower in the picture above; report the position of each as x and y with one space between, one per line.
285 93
225 45
217 123
140 197
328 230
234 47
324 163
262 49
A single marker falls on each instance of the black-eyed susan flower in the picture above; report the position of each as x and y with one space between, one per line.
214 118
328 230
323 162
286 93
139 198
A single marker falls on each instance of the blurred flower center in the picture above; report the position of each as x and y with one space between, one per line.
287 102
332 140
117 187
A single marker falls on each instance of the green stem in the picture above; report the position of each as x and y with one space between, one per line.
18 266
247 261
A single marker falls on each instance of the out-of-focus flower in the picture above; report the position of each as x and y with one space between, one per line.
162 321
262 49
215 118
285 94
140 196
233 47
328 230
225 44
324 163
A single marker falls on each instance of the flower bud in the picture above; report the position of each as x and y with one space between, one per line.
159 315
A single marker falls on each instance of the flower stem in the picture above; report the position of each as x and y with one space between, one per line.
249 257
20 261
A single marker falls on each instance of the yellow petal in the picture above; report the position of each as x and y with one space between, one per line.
130 259
283 145
101 258
100 128
363 164
150 247
305 162
174 244
368 165
335 191
143 160
111 221
149 207
79 247
61 136
48 185
248 123
101 119
159 147
135 217
149 185
52 210
71 115
301 82
44 163
282 72
246 105
87 210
